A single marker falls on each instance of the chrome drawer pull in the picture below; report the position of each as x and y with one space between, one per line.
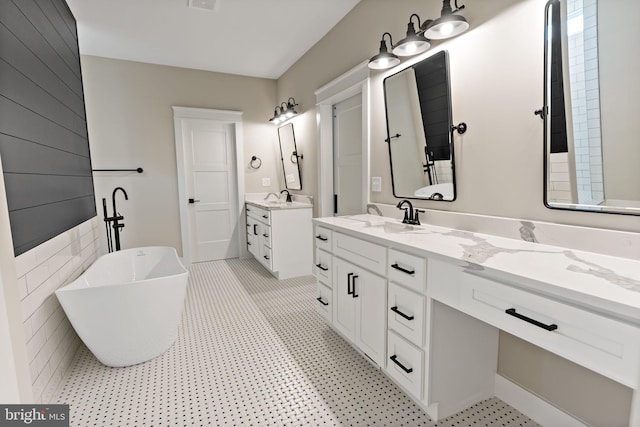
397 267
322 302
512 312
395 310
321 237
394 359
321 267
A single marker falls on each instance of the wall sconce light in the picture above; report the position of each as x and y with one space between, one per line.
414 43
446 26
284 111
384 59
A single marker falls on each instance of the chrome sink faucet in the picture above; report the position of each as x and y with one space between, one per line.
410 215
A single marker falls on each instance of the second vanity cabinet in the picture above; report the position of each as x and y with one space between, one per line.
280 238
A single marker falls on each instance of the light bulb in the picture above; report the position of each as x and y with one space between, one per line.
446 29
384 62
411 48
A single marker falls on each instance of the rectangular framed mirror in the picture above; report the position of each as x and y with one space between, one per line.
418 111
289 156
591 106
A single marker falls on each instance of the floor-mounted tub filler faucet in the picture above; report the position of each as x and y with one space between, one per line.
410 215
114 221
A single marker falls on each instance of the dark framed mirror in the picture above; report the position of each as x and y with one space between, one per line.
590 106
419 123
290 157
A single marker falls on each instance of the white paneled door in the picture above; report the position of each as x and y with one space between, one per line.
347 152
211 189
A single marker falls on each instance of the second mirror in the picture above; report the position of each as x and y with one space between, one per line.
290 157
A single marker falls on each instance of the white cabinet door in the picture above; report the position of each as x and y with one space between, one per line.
371 292
344 305
359 304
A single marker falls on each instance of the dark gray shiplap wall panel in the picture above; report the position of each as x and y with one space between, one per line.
61 7
43 133
24 123
15 21
20 156
44 25
20 89
30 229
28 190
15 53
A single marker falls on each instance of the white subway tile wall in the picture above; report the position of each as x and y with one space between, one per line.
51 341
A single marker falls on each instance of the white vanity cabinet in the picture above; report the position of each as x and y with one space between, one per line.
280 238
428 307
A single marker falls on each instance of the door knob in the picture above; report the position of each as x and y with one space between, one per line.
193 201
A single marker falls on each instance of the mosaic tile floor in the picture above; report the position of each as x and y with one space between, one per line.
252 351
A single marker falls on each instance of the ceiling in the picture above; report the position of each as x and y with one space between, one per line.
259 38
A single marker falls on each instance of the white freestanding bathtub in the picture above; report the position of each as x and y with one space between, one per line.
127 306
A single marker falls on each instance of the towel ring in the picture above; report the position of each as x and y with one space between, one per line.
253 160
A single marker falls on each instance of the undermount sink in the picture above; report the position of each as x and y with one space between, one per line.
395 227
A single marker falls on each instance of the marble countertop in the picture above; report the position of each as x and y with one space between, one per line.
277 204
605 284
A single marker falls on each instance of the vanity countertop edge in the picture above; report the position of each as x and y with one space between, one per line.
277 206
602 283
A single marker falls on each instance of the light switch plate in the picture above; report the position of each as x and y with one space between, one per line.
376 184
266 182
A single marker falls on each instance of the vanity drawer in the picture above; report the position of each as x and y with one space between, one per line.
408 270
266 257
323 266
266 235
323 301
604 345
405 363
323 238
260 214
406 313
365 254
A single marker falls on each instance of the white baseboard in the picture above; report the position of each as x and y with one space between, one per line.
533 406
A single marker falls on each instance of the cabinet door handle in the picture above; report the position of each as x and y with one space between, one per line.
512 312
404 270
349 291
394 359
353 281
255 229
321 267
395 310
321 237
322 302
